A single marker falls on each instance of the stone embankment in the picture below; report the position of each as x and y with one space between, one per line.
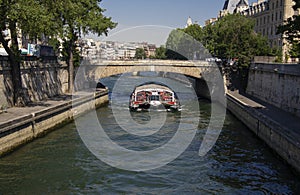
277 128
21 125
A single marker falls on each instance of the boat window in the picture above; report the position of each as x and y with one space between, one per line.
154 98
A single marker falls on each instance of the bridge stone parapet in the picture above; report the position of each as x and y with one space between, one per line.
103 68
91 71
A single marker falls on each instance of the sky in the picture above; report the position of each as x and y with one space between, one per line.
152 20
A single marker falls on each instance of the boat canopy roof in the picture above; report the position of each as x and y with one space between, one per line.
151 86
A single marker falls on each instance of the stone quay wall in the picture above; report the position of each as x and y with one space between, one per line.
277 84
19 131
273 134
41 79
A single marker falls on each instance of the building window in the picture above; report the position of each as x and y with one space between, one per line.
276 16
280 15
273 5
268 20
272 18
277 4
281 2
271 33
260 21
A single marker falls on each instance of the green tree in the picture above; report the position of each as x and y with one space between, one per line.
140 53
160 53
295 50
35 19
80 17
291 30
233 36
174 39
195 31
67 19
177 45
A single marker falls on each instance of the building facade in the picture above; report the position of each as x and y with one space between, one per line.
229 7
268 15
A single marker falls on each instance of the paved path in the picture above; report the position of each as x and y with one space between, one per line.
16 112
283 118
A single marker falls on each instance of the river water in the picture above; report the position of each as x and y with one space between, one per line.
60 163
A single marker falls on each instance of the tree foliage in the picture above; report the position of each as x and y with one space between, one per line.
181 46
231 37
195 31
56 19
80 17
291 30
35 19
140 53
160 53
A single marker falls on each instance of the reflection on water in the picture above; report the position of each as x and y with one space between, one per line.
141 117
239 163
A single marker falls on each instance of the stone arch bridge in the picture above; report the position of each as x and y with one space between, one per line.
93 70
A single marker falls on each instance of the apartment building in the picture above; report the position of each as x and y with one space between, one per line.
268 15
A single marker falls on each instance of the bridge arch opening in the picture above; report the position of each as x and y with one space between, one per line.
201 73
198 84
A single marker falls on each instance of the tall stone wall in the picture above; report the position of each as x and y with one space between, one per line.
41 79
277 84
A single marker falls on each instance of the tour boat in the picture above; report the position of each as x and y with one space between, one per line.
153 95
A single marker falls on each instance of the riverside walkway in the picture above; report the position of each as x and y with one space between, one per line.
16 112
279 129
286 120
19 125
